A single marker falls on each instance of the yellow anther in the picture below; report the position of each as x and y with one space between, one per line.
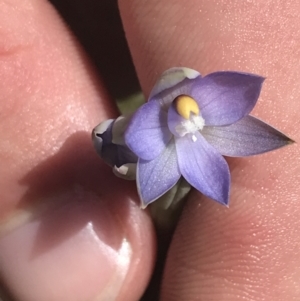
185 105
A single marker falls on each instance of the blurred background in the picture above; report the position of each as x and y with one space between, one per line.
98 27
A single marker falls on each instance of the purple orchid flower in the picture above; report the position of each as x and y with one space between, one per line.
187 126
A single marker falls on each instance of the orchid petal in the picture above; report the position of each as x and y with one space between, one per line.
102 134
156 177
119 128
226 97
148 134
249 136
203 167
112 154
173 82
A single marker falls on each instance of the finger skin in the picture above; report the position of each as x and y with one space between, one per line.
68 230
251 250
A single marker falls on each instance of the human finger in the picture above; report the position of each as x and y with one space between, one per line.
66 232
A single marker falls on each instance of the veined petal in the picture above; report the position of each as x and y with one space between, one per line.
156 177
249 136
203 167
173 82
226 97
148 134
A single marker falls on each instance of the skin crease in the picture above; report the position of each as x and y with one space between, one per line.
50 99
251 250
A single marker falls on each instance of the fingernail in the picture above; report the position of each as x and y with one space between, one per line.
75 250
